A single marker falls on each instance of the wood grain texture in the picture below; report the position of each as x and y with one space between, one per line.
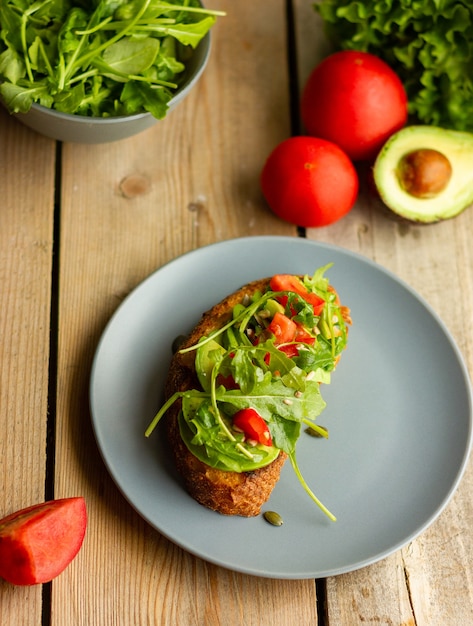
426 583
27 164
128 208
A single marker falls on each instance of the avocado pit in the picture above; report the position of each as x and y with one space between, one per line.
424 173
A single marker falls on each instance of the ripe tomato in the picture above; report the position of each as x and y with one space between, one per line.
289 282
309 182
253 426
355 100
283 328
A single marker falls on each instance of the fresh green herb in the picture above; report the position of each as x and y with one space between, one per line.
97 58
428 44
284 389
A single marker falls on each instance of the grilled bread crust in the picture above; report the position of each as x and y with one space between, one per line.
229 493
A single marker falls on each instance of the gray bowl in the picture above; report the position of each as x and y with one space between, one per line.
82 129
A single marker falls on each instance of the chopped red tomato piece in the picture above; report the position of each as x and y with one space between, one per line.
253 426
288 282
283 301
291 350
227 381
303 336
283 328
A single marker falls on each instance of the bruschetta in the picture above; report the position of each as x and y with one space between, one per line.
243 384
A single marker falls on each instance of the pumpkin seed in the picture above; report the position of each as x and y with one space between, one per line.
316 433
273 518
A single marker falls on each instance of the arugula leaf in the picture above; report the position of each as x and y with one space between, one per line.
285 435
97 57
11 66
273 400
186 34
72 100
20 98
307 489
128 57
137 95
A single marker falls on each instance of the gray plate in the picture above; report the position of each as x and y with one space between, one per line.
399 412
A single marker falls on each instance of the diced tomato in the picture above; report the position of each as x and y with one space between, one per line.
288 282
303 336
283 300
283 328
290 349
253 426
227 381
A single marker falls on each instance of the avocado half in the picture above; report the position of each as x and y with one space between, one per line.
457 192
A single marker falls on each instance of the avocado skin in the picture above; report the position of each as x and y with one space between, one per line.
457 195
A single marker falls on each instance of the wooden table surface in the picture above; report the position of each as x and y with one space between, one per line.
80 227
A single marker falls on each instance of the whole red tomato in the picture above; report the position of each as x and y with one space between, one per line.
309 182
355 100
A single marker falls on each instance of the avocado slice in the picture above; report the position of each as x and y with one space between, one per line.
425 174
205 359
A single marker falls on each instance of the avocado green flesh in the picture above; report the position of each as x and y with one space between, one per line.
453 199
273 306
204 363
224 456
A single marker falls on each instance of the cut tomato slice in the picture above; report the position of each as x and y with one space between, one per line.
253 426
227 381
283 328
302 336
289 282
290 349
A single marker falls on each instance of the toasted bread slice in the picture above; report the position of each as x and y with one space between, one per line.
229 493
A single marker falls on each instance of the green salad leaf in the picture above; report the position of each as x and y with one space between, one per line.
202 435
428 44
242 366
98 58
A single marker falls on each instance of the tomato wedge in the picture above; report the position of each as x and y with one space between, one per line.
253 426
289 282
290 349
283 328
227 381
302 336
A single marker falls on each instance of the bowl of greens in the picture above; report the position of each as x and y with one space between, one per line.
94 71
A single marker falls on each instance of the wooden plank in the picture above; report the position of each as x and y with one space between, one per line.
127 208
26 239
425 583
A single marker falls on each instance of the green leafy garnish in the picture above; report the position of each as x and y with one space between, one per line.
428 44
98 58
241 366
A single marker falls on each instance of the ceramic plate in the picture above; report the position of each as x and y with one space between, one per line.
399 412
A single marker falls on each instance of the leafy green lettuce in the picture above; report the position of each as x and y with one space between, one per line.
97 58
428 43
